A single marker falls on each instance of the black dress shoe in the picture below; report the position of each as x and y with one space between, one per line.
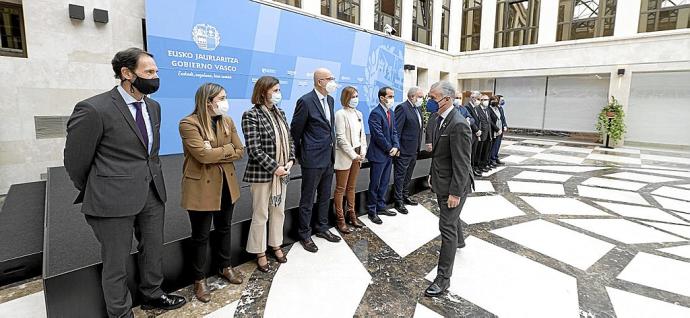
477 173
328 236
411 202
485 169
461 245
437 288
499 162
309 245
165 302
400 207
375 219
386 212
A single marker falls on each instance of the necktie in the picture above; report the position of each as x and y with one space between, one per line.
139 118
326 112
388 115
439 120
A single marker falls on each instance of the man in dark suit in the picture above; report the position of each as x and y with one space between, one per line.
111 156
450 178
476 130
383 147
313 133
487 126
408 123
504 128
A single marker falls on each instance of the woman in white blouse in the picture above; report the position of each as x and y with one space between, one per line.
350 152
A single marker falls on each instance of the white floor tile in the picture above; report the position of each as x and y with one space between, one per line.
672 173
682 230
668 159
644 166
639 177
225 312
673 204
658 272
620 150
684 186
563 244
536 187
623 231
563 206
616 159
610 194
559 158
640 212
572 149
488 208
509 285
30 306
543 176
514 159
676 193
682 251
629 305
422 311
539 142
406 233
614 184
496 170
506 142
574 169
311 280
521 148
483 186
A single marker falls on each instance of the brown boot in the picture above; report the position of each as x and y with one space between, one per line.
231 275
354 220
340 222
201 291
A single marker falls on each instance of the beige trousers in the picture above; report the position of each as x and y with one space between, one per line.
262 212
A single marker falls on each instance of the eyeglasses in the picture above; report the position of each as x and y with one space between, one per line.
484 99
328 78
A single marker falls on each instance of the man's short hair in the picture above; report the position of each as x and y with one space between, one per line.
127 58
383 91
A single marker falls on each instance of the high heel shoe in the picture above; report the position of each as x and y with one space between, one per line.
280 259
265 267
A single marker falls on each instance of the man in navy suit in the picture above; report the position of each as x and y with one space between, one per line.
504 127
383 147
313 133
408 123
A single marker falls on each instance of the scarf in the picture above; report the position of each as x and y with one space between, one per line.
282 152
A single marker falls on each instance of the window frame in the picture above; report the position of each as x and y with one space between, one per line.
529 33
464 36
298 3
426 27
330 4
379 16
445 24
569 20
22 32
656 11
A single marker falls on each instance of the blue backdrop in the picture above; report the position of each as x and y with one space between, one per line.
233 43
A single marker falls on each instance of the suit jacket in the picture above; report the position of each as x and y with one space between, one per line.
384 137
503 117
344 132
313 134
451 171
205 170
486 124
408 127
429 130
474 123
261 145
106 158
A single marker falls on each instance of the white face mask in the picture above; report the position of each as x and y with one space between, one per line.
419 102
354 102
223 106
389 102
276 98
331 87
457 102
485 103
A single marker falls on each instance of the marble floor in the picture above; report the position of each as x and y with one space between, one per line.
562 230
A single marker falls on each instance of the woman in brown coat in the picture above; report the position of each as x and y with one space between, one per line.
209 184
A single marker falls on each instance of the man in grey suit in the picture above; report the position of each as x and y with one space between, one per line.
111 155
450 178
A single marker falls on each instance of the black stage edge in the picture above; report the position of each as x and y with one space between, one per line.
71 263
21 232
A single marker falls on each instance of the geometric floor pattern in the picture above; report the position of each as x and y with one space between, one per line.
563 230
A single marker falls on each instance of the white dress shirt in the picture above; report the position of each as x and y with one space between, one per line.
129 100
324 104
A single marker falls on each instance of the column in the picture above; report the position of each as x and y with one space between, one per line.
488 24
437 9
627 17
366 14
312 6
406 21
619 87
455 26
548 21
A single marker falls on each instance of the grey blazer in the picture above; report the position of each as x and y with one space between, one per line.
106 158
451 171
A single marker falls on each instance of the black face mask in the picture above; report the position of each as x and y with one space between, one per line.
146 86
493 103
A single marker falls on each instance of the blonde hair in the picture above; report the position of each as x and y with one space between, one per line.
204 95
346 95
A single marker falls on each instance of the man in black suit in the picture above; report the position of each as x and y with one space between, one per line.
476 130
487 126
408 120
313 133
450 178
111 156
